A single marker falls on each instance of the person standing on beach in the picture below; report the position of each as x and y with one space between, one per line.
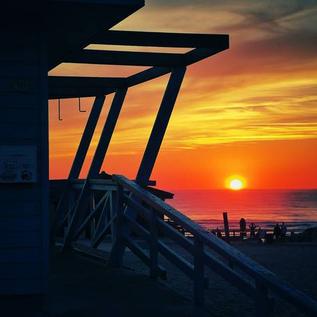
283 231
243 228
252 230
277 231
262 235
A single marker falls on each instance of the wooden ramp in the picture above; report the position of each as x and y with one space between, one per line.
130 217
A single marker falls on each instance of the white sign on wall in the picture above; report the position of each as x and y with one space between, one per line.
18 164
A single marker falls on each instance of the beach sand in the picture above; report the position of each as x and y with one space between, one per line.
295 263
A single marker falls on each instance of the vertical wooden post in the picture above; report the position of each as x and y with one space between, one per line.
118 224
86 137
92 227
160 126
70 205
80 155
153 145
226 225
107 132
113 197
199 281
153 245
263 305
96 163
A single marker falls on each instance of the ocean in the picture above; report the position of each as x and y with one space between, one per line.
297 208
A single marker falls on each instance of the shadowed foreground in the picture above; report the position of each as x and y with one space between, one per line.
81 287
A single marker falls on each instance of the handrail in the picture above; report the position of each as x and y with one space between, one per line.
262 276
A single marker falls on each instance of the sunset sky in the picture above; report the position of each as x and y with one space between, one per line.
249 111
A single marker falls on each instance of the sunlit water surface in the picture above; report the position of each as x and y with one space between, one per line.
297 208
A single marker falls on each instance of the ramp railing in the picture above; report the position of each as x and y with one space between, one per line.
205 251
97 217
107 215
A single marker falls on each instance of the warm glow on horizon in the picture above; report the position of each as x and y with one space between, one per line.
235 183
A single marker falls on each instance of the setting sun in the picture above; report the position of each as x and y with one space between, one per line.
235 183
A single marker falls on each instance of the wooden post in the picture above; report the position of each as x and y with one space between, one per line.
86 137
92 227
119 223
160 126
263 305
153 145
96 163
106 133
226 225
199 281
154 272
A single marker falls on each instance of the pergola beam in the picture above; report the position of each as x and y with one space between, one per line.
126 58
161 39
73 87
81 82
146 75
204 45
199 54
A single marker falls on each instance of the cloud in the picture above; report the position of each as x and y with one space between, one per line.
262 88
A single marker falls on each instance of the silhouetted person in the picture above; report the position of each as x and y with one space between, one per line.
261 235
277 231
252 230
283 230
243 227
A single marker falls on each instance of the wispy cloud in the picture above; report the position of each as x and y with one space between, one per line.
264 88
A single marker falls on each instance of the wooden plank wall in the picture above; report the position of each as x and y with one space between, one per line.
24 121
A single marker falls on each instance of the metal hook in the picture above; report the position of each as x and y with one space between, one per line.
79 106
59 110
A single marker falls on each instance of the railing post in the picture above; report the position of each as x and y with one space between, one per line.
92 206
226 225
81 152
115 258
155 140
199 279
263 304
154 245
96 162
70 205
112 211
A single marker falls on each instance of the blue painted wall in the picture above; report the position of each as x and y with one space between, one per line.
24 121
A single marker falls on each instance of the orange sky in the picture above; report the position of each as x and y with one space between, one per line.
250 110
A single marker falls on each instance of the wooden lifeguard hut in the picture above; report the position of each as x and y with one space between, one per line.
37 37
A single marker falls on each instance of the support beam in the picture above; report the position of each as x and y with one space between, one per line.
160 126
81 203
80 155
146 75
77 92
199 54
160 39
127 58
106 133
86 137
152 150
73 87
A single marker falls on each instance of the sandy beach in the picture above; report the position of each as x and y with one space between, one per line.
295 263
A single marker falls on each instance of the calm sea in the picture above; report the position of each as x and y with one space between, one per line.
297 208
